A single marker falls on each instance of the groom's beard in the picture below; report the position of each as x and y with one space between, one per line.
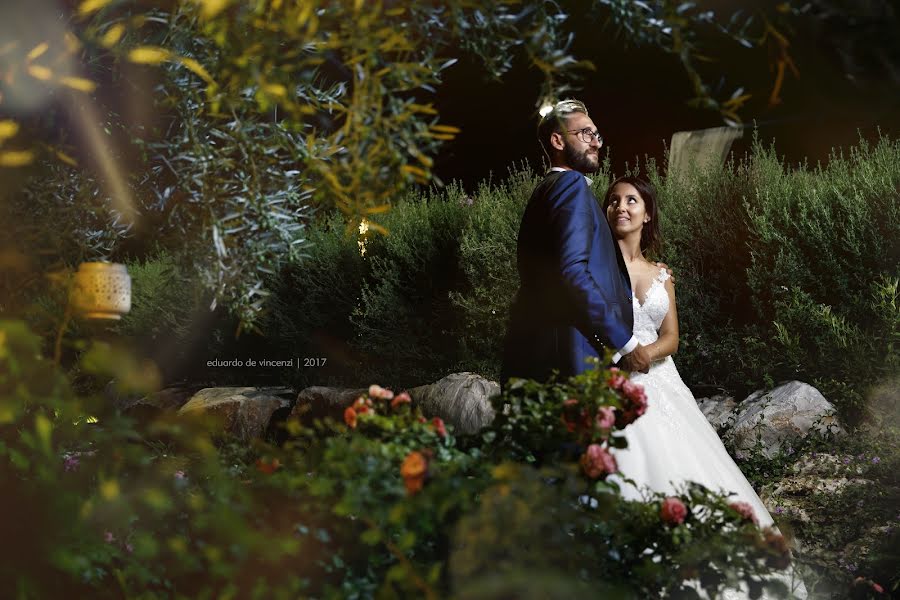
587 161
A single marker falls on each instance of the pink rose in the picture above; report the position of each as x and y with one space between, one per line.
673 511
376 391
634 392
401 398
877 588
745 510
597 462
606 417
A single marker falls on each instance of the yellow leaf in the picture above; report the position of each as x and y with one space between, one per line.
357 5
197 68
416 171
44 429
425 160
442 136
395 12
89 6
374 210
275 89
378 228
38 50
16 158
423 108
210 8
8 129
112 35
148 55
40 72
79 83
109 489
445 128
66 158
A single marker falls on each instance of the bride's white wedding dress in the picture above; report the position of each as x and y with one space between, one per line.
673 442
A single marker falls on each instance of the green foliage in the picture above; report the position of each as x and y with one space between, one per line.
799 280
163 300
383 504
429 297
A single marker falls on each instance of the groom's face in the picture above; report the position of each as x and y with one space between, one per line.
580 155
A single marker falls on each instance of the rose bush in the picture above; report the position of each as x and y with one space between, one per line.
381 503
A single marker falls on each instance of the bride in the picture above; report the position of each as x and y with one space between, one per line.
672 442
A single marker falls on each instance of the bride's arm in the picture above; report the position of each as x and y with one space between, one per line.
667 343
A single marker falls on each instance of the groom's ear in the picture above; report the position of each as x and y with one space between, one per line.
556 140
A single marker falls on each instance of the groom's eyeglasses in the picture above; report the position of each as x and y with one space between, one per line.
588 135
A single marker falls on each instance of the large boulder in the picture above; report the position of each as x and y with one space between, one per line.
319 402
717 410
781 418
246 412
460 399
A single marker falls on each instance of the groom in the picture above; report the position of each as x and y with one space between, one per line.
574 298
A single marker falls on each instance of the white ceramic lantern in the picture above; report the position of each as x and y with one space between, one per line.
102 290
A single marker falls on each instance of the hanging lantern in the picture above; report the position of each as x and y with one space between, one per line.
102 290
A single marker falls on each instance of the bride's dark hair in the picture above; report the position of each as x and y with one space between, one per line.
651 240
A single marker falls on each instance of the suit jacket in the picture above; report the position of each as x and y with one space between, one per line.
574 296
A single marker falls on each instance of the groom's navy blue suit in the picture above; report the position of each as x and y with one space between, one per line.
574 297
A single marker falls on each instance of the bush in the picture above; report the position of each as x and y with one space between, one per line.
788 273
783 273
385 503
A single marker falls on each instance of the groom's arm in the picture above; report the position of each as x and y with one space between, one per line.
572 229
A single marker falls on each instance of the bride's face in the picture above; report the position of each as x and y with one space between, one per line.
626 211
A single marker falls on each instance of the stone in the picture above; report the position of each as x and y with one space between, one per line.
462 400
319 402
246 412
717 410
781 417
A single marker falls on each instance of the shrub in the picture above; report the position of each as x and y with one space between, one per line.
788 273
385 503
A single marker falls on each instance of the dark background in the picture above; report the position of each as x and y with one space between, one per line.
848 86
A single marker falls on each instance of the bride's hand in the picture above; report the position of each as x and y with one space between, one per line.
663 265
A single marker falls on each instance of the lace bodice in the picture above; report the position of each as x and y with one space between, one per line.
648 317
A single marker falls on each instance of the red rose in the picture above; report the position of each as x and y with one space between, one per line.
362 405
616 381
350 417
745 510
401 398
439 427
597 462
673 511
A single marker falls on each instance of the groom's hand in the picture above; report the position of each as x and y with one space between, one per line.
637 360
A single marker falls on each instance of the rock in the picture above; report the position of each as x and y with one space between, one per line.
319 402
717 410
460 399
795 501
779 418
246 411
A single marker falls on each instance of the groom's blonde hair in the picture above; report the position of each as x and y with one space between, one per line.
555 121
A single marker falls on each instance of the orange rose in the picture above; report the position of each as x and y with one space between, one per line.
413 470
268 466
350 417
